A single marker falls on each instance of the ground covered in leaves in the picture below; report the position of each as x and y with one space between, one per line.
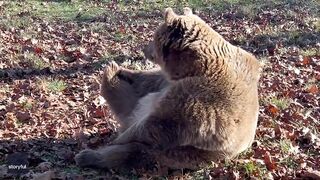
52 54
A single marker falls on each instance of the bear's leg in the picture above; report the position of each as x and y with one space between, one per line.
111 156
123 88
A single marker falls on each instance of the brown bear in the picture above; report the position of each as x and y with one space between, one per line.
200 105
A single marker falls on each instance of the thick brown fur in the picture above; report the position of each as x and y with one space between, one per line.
202 105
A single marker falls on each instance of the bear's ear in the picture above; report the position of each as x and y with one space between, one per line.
169 16
187 11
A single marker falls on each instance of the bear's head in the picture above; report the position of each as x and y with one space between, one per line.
180 45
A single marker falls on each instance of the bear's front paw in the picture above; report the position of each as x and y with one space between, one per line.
88 158
111 70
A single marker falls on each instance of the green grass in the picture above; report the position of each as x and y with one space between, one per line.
4 89
311 83
79 11
17 22
56 86
247 7
98 27
18 123
119 37
301 38
27 105
317 24
53 86
310 52
72 170
250 168
35 61
285 146
288 151
292 36
256 169
289 162
281 103
24 12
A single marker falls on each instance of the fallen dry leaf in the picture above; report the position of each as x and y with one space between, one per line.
270 163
